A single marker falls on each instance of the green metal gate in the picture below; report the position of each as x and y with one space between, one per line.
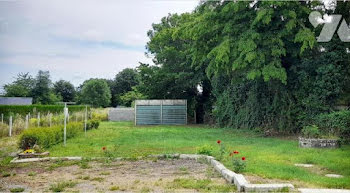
157 112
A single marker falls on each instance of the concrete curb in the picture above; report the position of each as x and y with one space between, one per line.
239 180
16 160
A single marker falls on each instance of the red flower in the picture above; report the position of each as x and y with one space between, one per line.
236 152
243 158
104 148
218 141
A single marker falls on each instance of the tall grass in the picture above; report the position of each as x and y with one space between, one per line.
56 119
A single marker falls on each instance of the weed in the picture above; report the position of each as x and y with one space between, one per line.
84 177
6 174
84 163
19 189
98 179
136 181
205 150
32 174
59 187
145 189
210 173
114 188
183 170
200 185
60 163
105 173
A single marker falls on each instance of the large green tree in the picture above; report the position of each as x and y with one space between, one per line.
42 92
264 65
95 92
128 98
21 87
65 90
123 83
174 76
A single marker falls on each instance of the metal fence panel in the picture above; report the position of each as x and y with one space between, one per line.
174 114
156 112
148 115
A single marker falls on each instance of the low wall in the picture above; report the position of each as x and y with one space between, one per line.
121 114
318 143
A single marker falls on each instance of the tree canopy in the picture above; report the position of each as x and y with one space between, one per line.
123 83
258 63
95 92
21 87
65 90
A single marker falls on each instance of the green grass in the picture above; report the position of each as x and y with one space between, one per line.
265 157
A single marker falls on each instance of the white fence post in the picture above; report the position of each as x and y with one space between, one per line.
50 119
10 130
65 123
85 119
38 119
26 124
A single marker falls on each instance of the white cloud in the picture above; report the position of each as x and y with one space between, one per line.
55 35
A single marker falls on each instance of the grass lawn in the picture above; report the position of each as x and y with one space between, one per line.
270 158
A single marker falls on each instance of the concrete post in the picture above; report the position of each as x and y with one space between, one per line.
65 124
85 121
27 120
10 124
38 119
50 119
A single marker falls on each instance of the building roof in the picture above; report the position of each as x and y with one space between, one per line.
16 100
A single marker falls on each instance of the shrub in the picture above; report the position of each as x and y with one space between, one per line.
310 131
92 124
205 150
100 114
47 136
335 123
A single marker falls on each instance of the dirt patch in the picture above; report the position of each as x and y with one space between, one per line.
136 176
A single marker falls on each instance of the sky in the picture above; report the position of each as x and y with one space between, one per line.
80 39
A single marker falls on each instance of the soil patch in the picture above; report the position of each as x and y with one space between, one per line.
135 176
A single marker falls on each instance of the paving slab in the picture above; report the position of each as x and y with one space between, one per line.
334 176
309 190
304 165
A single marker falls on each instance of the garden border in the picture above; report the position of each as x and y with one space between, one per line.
233 178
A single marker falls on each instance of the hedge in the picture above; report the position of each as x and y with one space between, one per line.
48 136
335 123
